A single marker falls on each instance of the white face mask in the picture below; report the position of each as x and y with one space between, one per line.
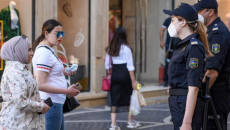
200 18
172 30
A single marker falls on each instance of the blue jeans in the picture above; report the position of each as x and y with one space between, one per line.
54 118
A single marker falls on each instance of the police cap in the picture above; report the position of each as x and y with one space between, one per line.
205 4
184 10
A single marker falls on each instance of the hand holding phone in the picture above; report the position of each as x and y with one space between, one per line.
49 102
78 86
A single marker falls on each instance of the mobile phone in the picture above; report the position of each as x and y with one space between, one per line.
49 102
78 86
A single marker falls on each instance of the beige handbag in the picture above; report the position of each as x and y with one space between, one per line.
141 99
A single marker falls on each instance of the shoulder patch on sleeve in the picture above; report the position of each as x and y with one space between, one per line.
215 48
193 63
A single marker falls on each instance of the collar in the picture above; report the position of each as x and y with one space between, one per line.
188 38
217 20
17 64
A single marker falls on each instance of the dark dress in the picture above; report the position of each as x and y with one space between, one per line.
121 87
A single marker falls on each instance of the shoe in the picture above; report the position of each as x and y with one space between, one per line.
133 124
114 127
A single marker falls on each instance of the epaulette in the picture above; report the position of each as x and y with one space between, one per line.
215 28
193 41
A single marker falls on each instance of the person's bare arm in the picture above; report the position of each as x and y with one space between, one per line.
162 44
213 74
134 82
41 77
190 107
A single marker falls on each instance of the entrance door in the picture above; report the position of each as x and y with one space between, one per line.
136 25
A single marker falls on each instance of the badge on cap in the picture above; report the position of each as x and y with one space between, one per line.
197 1
193 63
216 48
178 6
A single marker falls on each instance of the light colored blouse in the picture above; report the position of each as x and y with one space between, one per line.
125 56
21 100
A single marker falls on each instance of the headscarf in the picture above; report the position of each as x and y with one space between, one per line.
16 49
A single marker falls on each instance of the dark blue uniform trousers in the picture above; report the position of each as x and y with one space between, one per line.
177 106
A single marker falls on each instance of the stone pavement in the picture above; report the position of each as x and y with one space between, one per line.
153 117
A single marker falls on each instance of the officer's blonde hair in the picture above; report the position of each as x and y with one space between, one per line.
199 27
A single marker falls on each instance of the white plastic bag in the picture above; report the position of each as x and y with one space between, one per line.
134 105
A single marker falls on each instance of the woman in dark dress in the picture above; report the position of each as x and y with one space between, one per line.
119 60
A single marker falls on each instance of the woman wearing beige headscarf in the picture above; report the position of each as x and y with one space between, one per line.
21 100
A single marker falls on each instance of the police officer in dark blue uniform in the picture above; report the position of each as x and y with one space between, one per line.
186 68
218 66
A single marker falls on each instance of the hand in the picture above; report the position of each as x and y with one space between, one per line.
186 127
109 76
162 45
71 91
45 108
69 73
134 84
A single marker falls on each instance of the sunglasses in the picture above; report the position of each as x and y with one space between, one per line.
23 36
59 33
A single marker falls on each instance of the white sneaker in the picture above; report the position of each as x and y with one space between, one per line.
114 127
133 124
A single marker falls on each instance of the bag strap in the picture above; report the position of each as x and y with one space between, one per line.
50 50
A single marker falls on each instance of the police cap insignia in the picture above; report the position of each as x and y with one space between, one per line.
193 63
216 48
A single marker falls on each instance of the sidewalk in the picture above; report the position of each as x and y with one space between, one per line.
155 117
152 117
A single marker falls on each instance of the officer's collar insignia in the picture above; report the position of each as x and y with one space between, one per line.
183 49
193 63
216 48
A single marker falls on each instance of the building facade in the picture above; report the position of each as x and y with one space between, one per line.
89 26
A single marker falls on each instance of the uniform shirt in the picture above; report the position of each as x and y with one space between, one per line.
21 97
219 43
45 60
125 56
186 67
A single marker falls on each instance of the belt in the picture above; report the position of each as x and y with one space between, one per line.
180 92
220 84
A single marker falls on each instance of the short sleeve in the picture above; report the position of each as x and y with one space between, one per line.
166 23
195 65
219 47
44 61
129 59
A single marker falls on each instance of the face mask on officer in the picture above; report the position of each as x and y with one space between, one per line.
200 18
172 29
205 19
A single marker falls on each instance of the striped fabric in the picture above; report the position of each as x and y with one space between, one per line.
42 66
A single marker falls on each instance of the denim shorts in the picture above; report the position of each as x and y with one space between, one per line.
54 118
